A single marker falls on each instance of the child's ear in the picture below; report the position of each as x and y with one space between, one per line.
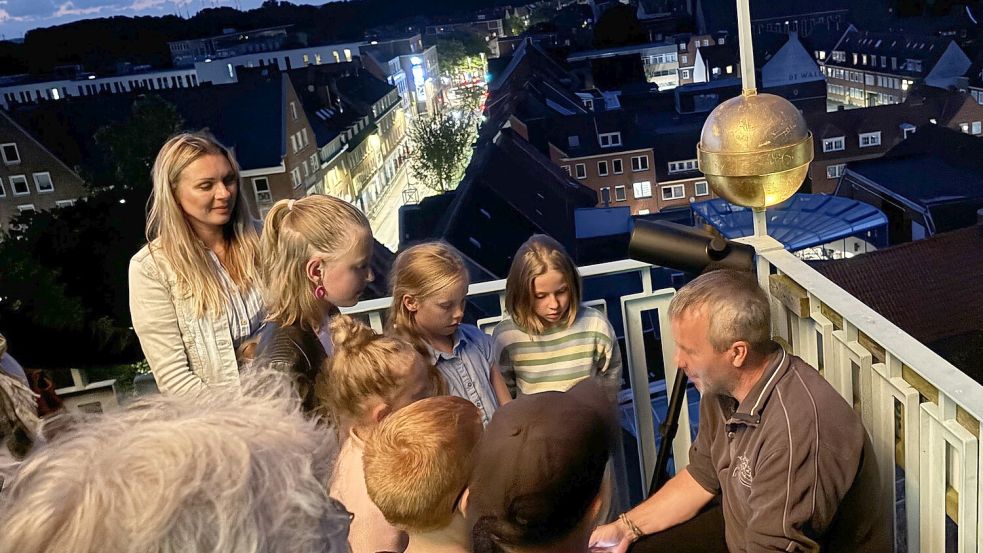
462 504
380 411
313 270
410 303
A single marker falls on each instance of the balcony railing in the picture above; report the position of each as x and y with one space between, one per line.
923 414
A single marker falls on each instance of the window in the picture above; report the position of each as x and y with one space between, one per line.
315 164
907 129
619 194
18 183
964 127
977 127
868 139
609 139
835 171
602 168
27 208
293 110
606 195
684 59
617 166
834 144
348 55
573 141
589 104
10 153
65 203
685 74
262 187
643 212
305 141
706 42
642 189
295 176
701 188
42 181
639 163
683 165
293 143
581 171
674 192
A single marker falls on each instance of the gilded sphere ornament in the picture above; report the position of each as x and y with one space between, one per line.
755 150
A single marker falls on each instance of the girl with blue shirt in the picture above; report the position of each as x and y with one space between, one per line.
429 286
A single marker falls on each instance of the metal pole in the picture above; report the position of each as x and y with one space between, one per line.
760 216
747 51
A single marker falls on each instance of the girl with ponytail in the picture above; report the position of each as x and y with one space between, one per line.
316 253
194 288
369 377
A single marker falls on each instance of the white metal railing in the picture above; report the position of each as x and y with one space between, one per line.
923 414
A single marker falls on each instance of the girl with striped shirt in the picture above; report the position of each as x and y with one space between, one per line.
551 341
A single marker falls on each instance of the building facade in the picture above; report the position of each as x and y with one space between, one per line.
31 177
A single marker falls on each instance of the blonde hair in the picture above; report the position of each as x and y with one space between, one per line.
736 307
170 234
361 367
226 472
295 231
418 461
534 258
421 271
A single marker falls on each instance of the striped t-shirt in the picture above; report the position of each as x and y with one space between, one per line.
561 356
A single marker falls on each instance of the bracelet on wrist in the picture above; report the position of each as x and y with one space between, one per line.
631 526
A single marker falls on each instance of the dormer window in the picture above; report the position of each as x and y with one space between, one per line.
573 141
869 139
610 139
835 144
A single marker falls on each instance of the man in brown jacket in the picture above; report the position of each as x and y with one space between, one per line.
786 455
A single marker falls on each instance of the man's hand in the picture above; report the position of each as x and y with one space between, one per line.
611 538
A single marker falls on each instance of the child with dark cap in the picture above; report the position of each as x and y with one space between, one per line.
539 467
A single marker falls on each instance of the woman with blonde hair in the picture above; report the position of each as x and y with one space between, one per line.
194 288
316 254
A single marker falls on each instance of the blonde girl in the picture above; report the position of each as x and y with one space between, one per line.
195 287
316 258
551 341
429 285
369 377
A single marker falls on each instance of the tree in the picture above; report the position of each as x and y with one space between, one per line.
471 96
618 26
63 273
462 53
441 148
515 24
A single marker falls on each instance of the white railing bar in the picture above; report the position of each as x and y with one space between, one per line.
497 286
965 391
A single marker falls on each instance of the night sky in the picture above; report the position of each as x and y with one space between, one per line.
19 16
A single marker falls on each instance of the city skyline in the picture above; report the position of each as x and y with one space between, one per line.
17 17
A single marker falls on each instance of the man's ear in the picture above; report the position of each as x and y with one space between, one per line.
740 351
462 504
313 270
410 303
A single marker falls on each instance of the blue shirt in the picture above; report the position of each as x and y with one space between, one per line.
466 370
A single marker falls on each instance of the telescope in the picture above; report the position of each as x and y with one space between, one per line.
687 249
694 251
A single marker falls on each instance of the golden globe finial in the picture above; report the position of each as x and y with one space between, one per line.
755 150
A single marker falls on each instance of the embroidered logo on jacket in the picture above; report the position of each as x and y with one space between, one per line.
743 472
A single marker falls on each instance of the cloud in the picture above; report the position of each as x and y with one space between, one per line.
15 9
69 8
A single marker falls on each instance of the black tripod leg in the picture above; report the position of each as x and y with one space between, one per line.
667 431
